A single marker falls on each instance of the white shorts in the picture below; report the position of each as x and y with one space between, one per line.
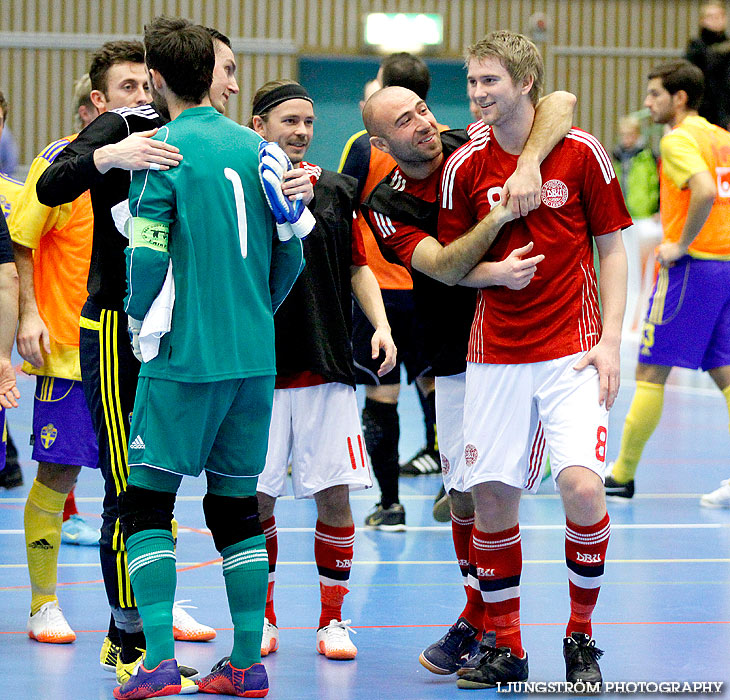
515 413
318 428
450 428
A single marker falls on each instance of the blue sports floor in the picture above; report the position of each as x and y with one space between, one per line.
663 613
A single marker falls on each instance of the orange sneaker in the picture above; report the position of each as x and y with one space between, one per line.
186 628
49 625
334 640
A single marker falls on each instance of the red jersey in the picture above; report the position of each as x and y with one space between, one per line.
557 314
402 238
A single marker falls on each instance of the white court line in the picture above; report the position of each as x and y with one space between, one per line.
403 497
449 562
446 529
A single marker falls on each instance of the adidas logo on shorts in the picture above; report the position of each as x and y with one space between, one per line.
137 443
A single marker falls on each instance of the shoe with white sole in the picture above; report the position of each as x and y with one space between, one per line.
49 625
269 638
334 640
719 498
77 531
186 628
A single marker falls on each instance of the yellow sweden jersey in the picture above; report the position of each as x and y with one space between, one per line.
9 190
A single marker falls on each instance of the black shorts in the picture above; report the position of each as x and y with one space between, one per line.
407 335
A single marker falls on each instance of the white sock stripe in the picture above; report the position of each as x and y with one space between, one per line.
588 541
147 559
247 554
585 581
236 561
346 541
331 582
588 538
462 521
270 532
496 544
501 596
229 566
246 557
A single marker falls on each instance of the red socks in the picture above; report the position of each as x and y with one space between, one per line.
461 531
585 556
333 549
69 507
272 549
499 567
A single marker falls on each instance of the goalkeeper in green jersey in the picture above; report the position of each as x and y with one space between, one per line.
202 239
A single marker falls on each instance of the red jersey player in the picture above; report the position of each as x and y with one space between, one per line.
538 353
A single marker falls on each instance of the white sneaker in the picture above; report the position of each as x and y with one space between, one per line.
269 638
186 628
334 640
719 498
49 625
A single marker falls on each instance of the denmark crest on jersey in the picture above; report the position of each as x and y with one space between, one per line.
554 193
471 454
445 464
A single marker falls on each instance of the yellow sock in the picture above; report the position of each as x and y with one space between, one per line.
641 421
43 520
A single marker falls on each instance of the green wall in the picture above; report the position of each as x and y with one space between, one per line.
336 85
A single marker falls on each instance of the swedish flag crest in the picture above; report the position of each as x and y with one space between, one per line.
48 435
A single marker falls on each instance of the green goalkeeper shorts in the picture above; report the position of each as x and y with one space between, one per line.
185 427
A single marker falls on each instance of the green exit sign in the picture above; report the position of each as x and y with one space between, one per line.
403 31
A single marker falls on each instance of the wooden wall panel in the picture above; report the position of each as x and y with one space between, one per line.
599 49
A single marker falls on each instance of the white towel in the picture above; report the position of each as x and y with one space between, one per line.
158 319
120 215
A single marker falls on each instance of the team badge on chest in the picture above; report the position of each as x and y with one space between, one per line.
445 464
554 193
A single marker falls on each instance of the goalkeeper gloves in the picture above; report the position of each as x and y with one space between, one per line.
292 218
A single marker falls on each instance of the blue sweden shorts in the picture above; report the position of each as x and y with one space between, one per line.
688 323
62 429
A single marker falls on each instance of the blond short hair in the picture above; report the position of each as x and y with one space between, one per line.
516 53
82 92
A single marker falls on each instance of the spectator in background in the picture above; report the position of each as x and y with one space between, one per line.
11 477
85 109
370 88
8 153
636 167
8 320
701 51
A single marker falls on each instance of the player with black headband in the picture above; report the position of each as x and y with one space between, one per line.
315 416
402 211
